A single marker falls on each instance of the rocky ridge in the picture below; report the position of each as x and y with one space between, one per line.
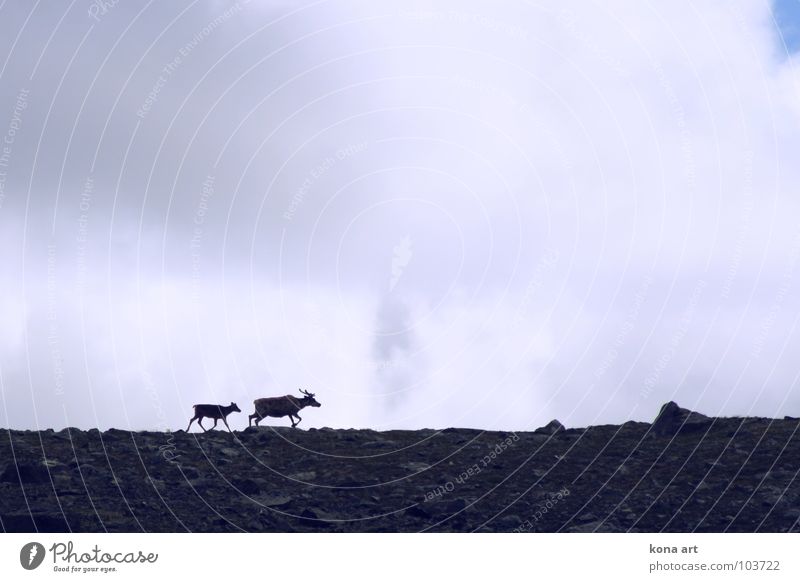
684 472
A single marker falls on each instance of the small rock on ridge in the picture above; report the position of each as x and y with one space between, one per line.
551 428
672 418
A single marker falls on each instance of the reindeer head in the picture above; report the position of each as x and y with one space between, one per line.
308 399
234 407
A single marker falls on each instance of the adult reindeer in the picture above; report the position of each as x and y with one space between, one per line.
280 406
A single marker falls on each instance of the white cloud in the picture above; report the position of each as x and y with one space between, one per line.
629 143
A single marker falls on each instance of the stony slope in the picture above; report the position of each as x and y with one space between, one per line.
684 472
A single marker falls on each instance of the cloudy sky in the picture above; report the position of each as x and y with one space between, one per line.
430 214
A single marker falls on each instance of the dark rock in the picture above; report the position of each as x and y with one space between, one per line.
595 526
190 473
36 522
311 518
27 473
447 507
633 425
551 428
247 486
415 466
380 445
672 418
303 476
469 432
71 493
87 471
69 434
417 512
277 501
353 483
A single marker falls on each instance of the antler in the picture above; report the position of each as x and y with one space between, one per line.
307 393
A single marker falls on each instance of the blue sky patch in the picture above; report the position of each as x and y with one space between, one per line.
787 18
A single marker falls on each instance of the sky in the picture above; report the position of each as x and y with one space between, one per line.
787 21
428 214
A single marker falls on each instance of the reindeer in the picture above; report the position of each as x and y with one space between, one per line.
215 411
282 406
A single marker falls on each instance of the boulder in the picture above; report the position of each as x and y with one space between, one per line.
275 500
672 419
551 428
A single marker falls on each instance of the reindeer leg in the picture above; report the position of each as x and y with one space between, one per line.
298 419
200 422
216 420
226 424
191 420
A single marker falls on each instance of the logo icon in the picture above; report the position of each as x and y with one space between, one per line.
31 555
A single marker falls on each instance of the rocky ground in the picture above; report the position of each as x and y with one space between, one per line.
684 472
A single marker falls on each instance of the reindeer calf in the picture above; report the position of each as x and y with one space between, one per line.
215 411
